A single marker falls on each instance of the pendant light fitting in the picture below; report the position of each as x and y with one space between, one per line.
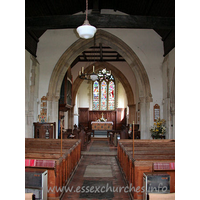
86 31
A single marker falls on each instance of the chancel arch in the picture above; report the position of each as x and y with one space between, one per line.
132 60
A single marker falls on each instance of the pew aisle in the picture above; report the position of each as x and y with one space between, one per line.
98 175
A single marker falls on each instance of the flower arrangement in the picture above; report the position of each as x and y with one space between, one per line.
158 130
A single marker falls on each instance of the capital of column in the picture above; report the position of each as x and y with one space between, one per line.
131 105
146 99
52 98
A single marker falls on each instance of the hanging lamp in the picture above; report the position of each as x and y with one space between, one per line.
86 31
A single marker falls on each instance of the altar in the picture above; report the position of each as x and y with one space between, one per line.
101 125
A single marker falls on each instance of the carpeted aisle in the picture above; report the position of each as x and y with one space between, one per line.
97 176
99 145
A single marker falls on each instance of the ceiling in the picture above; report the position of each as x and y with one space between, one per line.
59 14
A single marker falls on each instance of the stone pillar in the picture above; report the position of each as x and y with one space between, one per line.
145 117
167 118
31 95
173 124
52 111
132 113
66 121
172 114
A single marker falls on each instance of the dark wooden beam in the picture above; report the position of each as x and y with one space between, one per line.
99 21
84 55
101 55
104 60
98 51
169 42
98 56
31 42
95 9
103 47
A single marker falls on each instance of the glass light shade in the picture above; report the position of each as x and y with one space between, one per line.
86 31
94 77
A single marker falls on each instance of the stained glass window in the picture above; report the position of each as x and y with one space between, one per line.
96 95
111 96
104 95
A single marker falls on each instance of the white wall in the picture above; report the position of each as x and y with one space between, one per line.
121 96
52 44
146 44
83 95
148 47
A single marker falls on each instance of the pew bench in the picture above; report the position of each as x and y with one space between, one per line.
149 156
170 196
54 167
46 153
29 196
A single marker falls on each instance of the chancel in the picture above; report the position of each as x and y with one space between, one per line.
104 106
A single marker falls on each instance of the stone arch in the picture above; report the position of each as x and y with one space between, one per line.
126 52
115 72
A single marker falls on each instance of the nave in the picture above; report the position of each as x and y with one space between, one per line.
97 172
100 170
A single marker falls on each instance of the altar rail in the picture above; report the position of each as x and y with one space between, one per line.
46 154
149 156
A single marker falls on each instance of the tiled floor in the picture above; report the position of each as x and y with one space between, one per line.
97 176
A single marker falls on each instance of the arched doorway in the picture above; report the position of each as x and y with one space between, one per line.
132 60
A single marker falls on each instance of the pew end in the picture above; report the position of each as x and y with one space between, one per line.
154 196
29 196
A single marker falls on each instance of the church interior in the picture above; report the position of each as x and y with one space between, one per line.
100 107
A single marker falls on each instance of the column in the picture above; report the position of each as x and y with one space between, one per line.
52 111
145 117
132 113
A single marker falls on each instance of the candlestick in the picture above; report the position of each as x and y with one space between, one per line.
82 70
61 139
93 68
133 139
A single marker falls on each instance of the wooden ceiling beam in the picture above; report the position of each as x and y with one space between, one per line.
99 21
98 56
96 8
98 51
104 60
101 55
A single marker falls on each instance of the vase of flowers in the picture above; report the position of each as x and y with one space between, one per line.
158 130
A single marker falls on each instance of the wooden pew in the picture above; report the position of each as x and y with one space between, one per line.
55 144
74 147
146 154
29 196
46 150
54 174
